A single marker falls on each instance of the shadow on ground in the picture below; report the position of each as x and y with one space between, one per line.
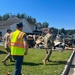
31 63
36 64
57 63
26 63
2 52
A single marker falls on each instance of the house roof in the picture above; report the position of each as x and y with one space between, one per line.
10 21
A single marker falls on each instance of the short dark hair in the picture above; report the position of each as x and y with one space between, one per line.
19 25
9 30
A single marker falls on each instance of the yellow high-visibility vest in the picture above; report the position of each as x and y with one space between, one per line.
16 42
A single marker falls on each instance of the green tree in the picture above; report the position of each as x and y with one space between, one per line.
33 20
18 15
5 16
0 18
22 16
63 31
45 25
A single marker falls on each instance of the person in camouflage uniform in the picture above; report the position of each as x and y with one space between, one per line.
48 43
5 41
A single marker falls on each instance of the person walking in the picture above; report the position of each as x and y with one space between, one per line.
48 43
19 47
5 42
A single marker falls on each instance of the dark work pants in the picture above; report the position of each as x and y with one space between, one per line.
18 64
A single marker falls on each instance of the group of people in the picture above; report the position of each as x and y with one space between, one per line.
17 46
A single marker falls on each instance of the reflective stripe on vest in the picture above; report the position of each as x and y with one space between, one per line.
20 35
17 45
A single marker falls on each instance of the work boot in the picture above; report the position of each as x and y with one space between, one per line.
49 60
4 62
11 60
44 62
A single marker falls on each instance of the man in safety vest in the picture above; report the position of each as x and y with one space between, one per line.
19 47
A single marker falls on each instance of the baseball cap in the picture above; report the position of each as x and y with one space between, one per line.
19 25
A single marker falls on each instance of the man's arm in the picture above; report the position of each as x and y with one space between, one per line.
25 44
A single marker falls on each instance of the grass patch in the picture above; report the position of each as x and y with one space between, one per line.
32 64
